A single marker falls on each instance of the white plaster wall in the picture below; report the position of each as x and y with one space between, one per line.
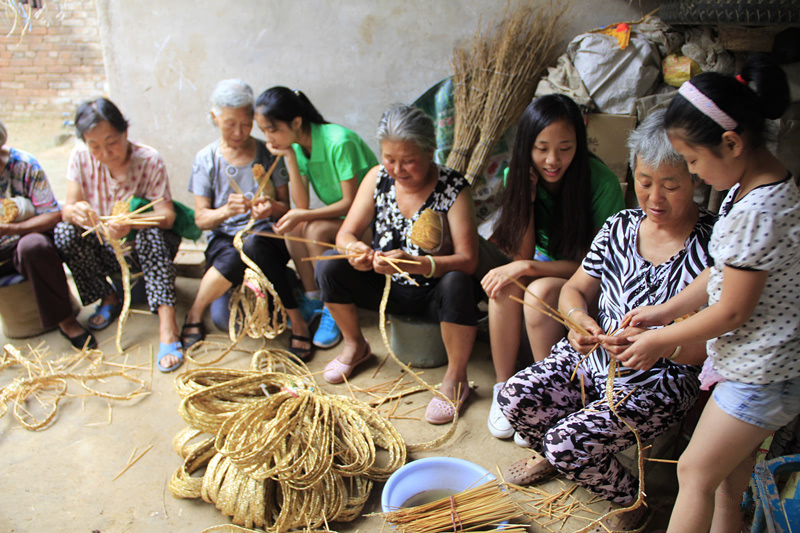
351 57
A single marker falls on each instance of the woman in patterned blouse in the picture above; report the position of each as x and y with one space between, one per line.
391 198
27 247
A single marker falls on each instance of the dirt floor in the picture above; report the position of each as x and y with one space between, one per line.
62 478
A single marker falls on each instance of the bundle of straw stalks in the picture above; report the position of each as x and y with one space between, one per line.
495 78
482 508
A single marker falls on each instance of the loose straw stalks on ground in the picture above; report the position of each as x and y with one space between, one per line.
45 380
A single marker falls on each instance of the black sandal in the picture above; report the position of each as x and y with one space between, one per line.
304 354
80 341
190 339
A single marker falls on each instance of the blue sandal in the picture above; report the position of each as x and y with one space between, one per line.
109 312
169 349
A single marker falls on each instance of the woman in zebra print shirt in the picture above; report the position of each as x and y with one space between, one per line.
640 257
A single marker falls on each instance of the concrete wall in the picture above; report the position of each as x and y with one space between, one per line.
55 64
352 58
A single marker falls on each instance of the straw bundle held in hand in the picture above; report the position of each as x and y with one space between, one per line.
528 37
10 211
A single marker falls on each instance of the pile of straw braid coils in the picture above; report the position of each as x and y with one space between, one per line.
278 452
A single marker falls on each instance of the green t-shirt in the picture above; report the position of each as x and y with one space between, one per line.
337 154
606 200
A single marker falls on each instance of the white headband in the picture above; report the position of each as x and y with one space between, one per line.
707 106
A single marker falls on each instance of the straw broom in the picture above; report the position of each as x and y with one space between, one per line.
472 67
529 37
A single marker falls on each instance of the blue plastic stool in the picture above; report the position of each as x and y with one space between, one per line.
774 514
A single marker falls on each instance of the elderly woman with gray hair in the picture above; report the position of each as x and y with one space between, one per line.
391 199
640 257
223 185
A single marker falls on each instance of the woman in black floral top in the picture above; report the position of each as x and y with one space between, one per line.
390 199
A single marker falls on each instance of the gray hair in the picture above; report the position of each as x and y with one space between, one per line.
233 94
651 144
409 124
3 134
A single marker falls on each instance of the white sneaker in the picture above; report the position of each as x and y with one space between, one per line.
498 425
520 441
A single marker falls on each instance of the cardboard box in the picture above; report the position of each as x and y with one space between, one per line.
607 138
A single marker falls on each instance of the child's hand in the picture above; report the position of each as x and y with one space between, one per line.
649 316
645 349
616 344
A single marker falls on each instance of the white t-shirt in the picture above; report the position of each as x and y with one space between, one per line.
760 231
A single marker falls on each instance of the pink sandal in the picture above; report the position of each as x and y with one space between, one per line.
336 371
441 412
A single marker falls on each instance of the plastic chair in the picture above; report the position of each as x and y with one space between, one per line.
774 514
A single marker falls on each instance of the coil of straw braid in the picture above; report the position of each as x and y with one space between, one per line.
282 454
250 307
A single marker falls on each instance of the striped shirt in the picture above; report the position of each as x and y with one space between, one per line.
628 281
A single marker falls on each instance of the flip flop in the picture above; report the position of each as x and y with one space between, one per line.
169 349
336 371
529 470
189 339
301 353
441 412
79 341
109 312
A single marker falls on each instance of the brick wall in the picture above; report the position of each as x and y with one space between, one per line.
55 65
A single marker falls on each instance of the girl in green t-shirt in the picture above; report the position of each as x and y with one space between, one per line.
333 160
557 197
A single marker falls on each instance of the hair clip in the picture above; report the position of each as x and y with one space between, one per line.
741 80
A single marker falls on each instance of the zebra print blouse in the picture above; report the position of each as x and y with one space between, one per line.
628 281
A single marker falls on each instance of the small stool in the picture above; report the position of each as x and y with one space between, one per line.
416 342
18 308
